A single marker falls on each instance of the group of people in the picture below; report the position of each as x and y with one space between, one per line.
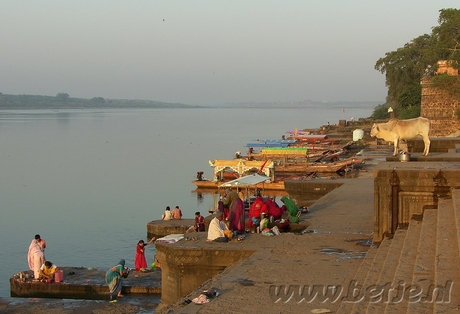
114 275
175 214
230 211
46 270
230 215
43 269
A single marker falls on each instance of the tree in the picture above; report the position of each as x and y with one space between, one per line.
448 35
98 100
62 97
405 67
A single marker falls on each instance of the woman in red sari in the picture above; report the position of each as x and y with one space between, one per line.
274 210
140 262
254 210
236 208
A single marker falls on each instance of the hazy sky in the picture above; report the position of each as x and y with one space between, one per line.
206 52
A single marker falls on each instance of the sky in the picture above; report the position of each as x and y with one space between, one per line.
202 52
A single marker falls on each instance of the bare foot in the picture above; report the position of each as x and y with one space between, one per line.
120 295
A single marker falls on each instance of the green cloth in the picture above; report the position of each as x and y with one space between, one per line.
291 208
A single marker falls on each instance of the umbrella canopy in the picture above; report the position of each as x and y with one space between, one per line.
252 179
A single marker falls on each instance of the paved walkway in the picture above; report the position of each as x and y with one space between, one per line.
328 256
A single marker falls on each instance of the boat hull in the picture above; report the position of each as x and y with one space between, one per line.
207 184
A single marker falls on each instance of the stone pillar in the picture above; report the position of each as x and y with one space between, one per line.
400 192
439 107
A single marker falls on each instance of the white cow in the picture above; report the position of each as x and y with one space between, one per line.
394 130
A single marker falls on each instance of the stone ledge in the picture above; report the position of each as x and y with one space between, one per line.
162 228
85 284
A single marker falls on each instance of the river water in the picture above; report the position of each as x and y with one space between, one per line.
88 181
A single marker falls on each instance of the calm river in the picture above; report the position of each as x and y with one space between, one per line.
88 181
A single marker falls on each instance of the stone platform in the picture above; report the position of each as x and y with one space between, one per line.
161 228
85 283
330 253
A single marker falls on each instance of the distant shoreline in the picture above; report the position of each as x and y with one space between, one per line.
64 101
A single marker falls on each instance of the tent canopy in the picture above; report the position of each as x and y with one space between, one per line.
252 179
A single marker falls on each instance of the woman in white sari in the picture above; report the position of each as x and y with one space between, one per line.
35 257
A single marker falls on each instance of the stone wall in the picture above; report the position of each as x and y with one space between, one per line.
402 191
184 269
439 107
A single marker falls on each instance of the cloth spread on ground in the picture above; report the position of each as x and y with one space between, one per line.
172 238
202 299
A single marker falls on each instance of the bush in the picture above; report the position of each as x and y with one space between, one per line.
409 113
381 112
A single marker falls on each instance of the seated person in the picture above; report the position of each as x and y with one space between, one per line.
216 229
199 222
47 271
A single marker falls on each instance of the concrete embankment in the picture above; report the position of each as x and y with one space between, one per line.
329 255
84 283
161 228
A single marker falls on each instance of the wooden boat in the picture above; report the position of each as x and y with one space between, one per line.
312 152
319 167
208 184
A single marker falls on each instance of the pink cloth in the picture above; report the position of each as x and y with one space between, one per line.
35 258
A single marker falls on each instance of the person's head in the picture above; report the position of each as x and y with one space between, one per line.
122 262
48 264
197 214
168 208
141 243
37 237
177 207
219 215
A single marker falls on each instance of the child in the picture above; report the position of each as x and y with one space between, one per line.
47 271
140 262
199 222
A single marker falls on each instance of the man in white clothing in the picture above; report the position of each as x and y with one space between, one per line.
216 229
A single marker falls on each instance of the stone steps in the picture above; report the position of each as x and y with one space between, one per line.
418 271
385 280
447 272
349 300
454 150
405 268
372 275
456 204
423 271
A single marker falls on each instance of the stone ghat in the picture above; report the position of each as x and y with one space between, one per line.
85 283
161 228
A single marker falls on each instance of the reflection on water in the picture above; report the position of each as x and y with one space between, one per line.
88 181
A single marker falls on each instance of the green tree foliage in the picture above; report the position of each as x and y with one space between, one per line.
448 83
63 97
409 112
405 67
98 100
64 101
410 96
381 112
